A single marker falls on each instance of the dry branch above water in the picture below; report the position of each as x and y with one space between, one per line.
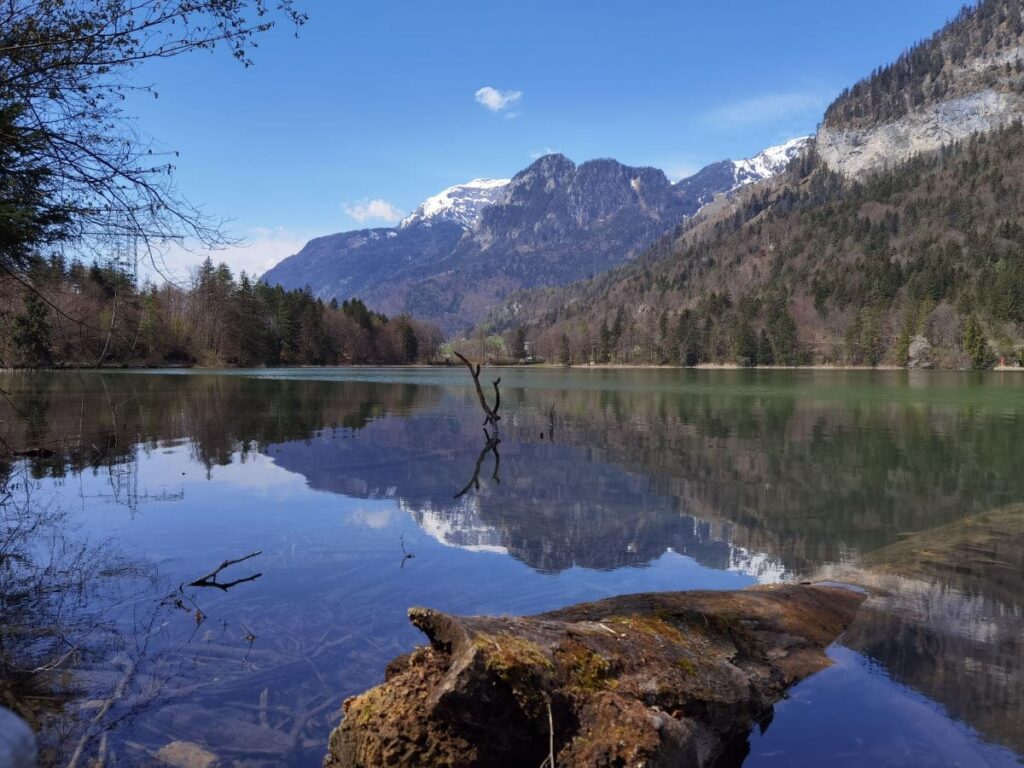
492 416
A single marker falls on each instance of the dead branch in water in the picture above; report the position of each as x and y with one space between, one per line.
405 555
490 446
210 579
492 416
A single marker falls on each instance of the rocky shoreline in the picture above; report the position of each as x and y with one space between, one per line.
658 679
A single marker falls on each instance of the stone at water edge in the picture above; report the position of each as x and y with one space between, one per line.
17 742
641 680
919 353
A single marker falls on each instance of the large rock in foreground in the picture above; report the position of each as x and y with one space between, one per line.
642 680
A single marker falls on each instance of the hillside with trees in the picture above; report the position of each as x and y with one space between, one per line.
814 268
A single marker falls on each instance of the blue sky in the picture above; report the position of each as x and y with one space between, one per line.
375 106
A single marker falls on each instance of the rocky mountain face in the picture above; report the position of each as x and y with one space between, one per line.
557 222
465 249
967 78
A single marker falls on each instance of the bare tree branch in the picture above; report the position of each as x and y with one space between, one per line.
491 413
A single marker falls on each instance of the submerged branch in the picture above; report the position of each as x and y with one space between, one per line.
210 579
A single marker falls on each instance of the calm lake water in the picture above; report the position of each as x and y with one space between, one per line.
609 482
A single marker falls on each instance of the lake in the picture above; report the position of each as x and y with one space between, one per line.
367 491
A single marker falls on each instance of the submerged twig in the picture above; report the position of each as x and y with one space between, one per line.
116 696
210 579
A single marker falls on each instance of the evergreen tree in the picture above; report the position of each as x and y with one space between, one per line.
765 353
745 343
32 331
976 345
688 339
604 350
410 346
565 355
29 218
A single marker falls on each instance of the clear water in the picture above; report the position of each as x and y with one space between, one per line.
609 482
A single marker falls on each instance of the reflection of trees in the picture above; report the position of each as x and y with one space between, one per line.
809 481
947 618
92 421
51 584
635 472
773 470
89 641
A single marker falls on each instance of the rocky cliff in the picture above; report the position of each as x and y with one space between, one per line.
968 77
855 151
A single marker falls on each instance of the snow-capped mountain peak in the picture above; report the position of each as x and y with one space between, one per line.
769 162
461 203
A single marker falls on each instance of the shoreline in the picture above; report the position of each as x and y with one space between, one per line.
544 366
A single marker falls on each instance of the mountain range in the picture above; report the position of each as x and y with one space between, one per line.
894 235
464 250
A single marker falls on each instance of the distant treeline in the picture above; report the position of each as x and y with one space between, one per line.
75 314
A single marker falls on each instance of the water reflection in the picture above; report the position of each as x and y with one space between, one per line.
491 443
769 477
948 615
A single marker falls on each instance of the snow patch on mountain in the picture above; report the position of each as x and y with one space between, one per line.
769 162
461 203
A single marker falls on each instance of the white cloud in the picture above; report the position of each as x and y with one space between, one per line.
373 210
258 249
498 101
769 107
539 153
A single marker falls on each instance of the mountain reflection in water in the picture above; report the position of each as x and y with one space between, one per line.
608 482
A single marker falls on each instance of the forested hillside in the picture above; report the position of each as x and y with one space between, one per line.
938 69
95 315
818 269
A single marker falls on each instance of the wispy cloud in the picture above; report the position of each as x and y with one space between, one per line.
373 210
539 153
257 250
501 102
770 107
